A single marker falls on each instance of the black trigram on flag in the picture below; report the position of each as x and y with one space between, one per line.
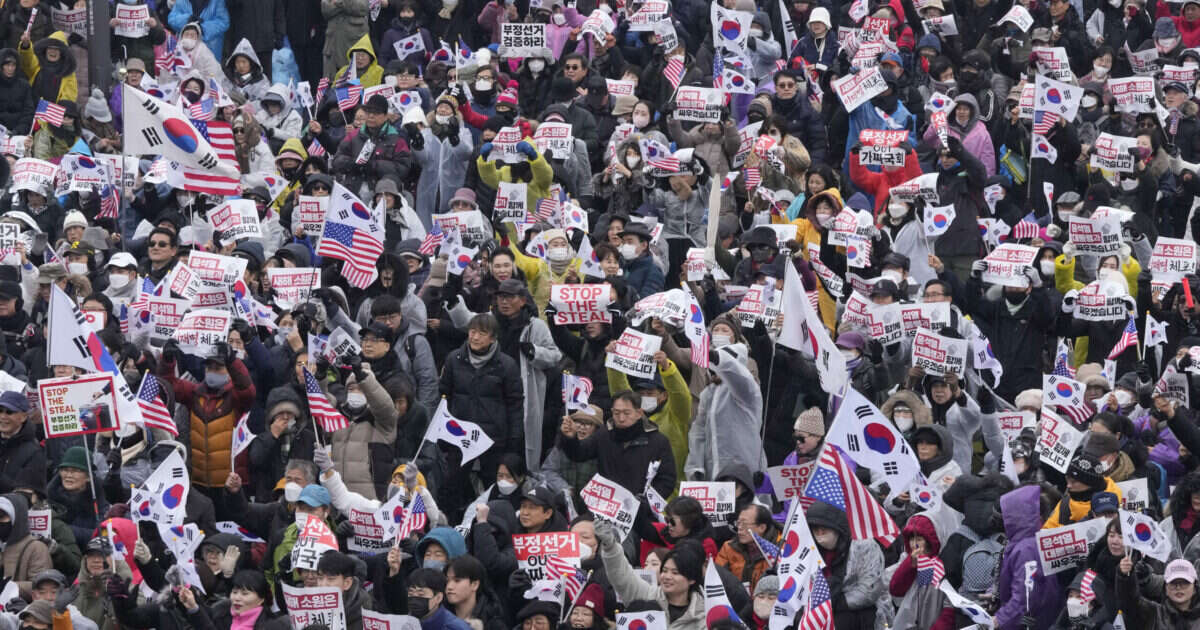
852 442
151 135
81 345
714 590
863 412
890 468
150 106
209 161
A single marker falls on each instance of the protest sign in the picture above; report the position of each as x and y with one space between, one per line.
471 226
1057 441
339 346
235 219
77 405
368 534
71 21
885 323
669 306
201 330
1132 94
694 264
716 497
131 20
555 137
943 25
312 214
699 104
937 354
510 202
1020 17
665 35
1063 548
1135 494
39 523
161 316
1142 62
1026 102
293 285
520 39
1052 62
856 89
788 481
1173 258
931 315
10 235
919 187
504 146
882 147
850 222
372 620
1112 152
581 303
1095 235
33 175
760 303
1101 302
1012 422
649 14
1007 263
534 550
320 605
1182 74
611 502
598 25
618 87
313 539
634 354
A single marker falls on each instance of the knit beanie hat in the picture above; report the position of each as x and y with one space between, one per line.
97 107
1029 398
1087 469
508 96
811 421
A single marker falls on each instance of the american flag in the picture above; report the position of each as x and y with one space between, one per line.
1085 586
1129 337
348 96
718 72
546 208
669 163
930 571
1043 121
322 85
110 202
359 249
819 615
1062 362
50 113
770 550
154 411
415 519
753 177
318 405
1026 228
204 109
171 59
834 483
220 135
431 241
674 71
572 576
315 149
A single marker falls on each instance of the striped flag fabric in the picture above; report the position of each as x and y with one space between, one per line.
348 96
770 550
1062 361
1027 227
674 71
353 233
322 85
819 615
667 163
1044 121
728 180
204 109
1085 586
546 207
329 418
110 202
1067 394
416 518
169 60
49 113
1129 338
315 149
154 411
432 241
930 571
834 483
753 177
572 576
219 134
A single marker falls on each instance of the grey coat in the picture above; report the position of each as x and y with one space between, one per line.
350 444
629 587
420 367
683 219
443 170
964 421
727 429
345 23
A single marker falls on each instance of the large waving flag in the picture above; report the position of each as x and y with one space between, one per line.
834 483
716 602
696 332
467 436
162 498
353 233
803 330
870 439
152 127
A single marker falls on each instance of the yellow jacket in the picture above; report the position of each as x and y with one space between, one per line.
808 235
538 275
68 89
494 172
1064 281
373 75
1078 510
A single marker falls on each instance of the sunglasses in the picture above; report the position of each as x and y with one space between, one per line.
320 187
239 130
160 243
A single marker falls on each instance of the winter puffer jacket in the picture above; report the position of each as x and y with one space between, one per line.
371 434
1022 519
16 97
854 570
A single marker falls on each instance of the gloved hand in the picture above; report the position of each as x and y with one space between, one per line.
118 587
456 91
285 564
527 149
1069 252
1053 231
113 459
954 145
714 357
345 529
876 351
1068 301
1143 372
170 351
527 349
66 597
356 365
270 131
229 560
485 150
977 268
987 403
141 552
1032 275
1130 303
519 581
752 43
322 459
416 141
452 132
606 534
244 331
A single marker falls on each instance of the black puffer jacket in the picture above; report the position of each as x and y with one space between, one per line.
16 97
490 395
20 452
623 455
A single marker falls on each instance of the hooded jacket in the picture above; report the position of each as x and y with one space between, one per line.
1022 519
23 555
629 587
287 123
391 157
51 81
878 184
213 416
373 74
16 96
854 570
923 605
254 84
727 428
974 134
1070 510
213 20
443 160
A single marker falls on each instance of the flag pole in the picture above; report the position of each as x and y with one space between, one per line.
91 479
567 609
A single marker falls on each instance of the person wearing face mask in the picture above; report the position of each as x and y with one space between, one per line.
277 119
534 79
812 230
1085 478
405 24
50 67
868 376
877 183
445 147
922 605
853 568
642 273
815 46
1087 609
624 184
372 431
883 112
763 248
1122 269
286 437
625 447
215 404
562 473
665 401
727 427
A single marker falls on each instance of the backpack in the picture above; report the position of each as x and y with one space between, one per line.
981 563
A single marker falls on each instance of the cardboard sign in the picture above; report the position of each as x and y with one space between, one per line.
885 323
236 219
920 187
760 303
1132 94
293 286
1095 235
610 502
504 146
635 354
617 87
131 20
1007 263
856 89
1173 257
699 104
73 21
162 316
534 550
943 25
939 355
340 345
39 522
1101 302
372 620
1057 442
368 534
519 39
1012 422
669 306
1142 62
33 174
78 405
581 303
556 137
315 605
649 14
850 222
931 315
1018 16
716 497
1052 62
1135 494
471 226
1063 548
1112 152
665 35
201 330
510 202
789 481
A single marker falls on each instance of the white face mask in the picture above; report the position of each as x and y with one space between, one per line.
118 280
756 33
1065 215
77 268
649 403
1191 64
897 211
1076 608
903 421
826 541
628 251
506 487
291 491
633 161
720 341
894 276
1047 267
558 254
483 85
440 119
537 65
1129 183
356 400
1099 71
1166 44
640 121
849 354
559 19
824 220
762 607
1123 397
585 551
1089 101
188 43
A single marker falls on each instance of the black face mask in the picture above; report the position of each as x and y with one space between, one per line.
5 531
290 173
418 606
760 254
192 97
1014 298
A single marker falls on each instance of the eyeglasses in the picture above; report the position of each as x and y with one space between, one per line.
785 86
573 67
239 130
160 243
935 295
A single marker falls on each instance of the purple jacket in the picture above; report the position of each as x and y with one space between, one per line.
1022 519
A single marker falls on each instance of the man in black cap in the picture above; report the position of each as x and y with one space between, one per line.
13 318
358 163
583 124
19 448
642 275
537 513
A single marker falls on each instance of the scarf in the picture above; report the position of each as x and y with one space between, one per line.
478 360
245 619
1122 470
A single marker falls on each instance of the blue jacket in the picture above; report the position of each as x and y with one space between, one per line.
643 276
214 21
443 619
807 48
866 117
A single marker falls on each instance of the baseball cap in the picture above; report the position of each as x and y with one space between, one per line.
1180 569
315 495
122 259
14 401
539 495
50 575
1105 503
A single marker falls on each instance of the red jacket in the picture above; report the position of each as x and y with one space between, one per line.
1188 31
878 184
906 571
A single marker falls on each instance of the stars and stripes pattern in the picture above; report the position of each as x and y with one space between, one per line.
154 411
572 576
753 177
834 483
718 72
322 85
49 113
1085 586
329 418
930 571
819 615
770 550
171 59
546 208
220 135
348 96
315 149
204 109
432 241
415 519
674 71
1026 228
359 249
1129 338
668 163
1044 121
1062 364
110 202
